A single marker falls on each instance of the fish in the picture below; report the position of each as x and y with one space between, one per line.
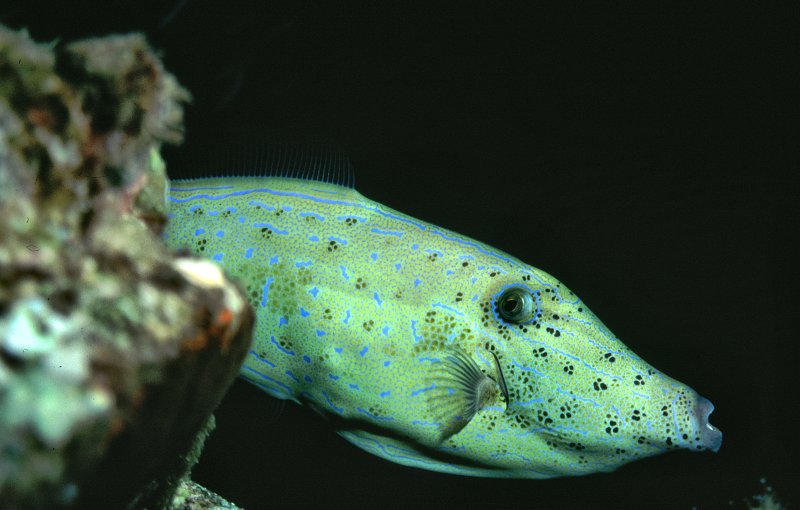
422 346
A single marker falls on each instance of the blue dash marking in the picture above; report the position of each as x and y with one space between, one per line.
344 272
432 360
288 389
304 312
326 191
385 394
373 256
448 308
260 224
230 208
421 390
306 358
282 321
242 219
374 416
414 246
220 233
449 272
279 346
386 232
199 231
385 331
195 206
265 291
353 386
213 213
386 363
261 204
417 338
303 263
303 214
248 253
320 332
218 256
528 369
333 377
346 216
290 374
584 399
377 298
339 410
272 390
364 351
417 281
337 239
346 316
338 350
273 260
372 445
307 379
423 423
398 266
313 291
431 250
263 360
313 238
529 403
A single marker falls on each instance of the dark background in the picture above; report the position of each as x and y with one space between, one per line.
644 155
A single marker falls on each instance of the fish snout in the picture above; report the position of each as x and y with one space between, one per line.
710 436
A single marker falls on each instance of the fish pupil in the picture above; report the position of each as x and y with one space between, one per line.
512 305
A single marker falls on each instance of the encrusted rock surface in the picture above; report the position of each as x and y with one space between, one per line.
113 352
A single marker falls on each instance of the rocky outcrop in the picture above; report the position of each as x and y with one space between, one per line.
113 351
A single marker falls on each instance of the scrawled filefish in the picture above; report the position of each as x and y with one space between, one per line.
426 347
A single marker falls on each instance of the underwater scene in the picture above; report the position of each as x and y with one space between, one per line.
357 255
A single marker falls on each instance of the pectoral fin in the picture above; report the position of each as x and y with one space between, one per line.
461 390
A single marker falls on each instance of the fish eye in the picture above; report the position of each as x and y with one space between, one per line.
515 305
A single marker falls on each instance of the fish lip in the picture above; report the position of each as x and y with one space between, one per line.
710 436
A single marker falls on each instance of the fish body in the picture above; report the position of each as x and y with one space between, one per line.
426 347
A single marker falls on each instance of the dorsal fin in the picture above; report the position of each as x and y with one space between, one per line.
257 155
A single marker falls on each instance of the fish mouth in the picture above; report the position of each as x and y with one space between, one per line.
710 436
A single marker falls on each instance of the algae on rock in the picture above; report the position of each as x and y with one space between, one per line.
113 352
